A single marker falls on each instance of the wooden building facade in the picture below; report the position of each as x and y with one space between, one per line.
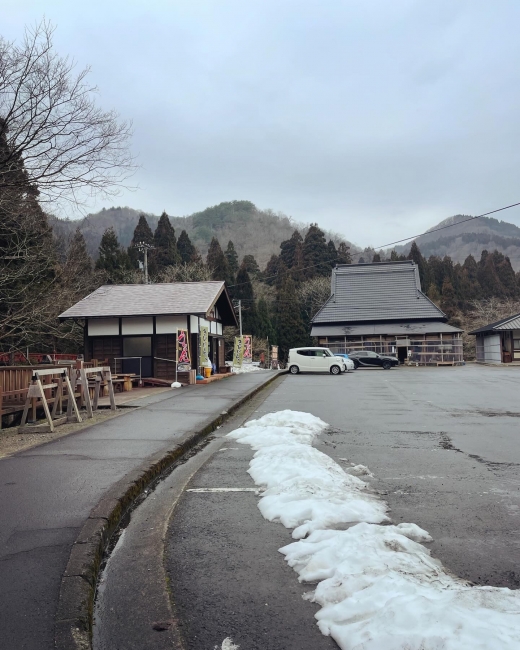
499 342
135 326
381 307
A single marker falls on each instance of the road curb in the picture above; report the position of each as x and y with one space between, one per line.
73 620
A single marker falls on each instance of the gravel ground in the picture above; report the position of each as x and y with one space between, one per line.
11 441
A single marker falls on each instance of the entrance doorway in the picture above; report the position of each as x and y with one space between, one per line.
402 353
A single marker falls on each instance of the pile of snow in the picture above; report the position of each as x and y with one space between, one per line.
378 587
246 367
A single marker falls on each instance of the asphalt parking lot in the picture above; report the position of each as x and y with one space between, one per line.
443 445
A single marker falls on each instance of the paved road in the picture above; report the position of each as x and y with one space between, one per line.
47 493
443 444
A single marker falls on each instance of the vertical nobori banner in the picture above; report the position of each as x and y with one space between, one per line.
238 352
183 351
204 345
248 348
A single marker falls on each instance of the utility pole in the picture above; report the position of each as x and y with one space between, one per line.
143 247
240 315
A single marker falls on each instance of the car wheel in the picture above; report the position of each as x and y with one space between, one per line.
387 365
356 365
294 370
335 370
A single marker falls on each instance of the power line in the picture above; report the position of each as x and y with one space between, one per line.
399 241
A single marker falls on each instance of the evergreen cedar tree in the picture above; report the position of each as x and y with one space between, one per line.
232 258
79 254
112 258
187 251
315 253
217 263
291 331
142 233
165 242
251 265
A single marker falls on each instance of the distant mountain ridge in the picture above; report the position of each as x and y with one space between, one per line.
465 238
252 231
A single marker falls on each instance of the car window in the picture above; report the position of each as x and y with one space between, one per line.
371 354
304 353
320 353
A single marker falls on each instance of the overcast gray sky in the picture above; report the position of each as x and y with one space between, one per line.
375 118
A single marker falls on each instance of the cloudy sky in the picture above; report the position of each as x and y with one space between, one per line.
375 118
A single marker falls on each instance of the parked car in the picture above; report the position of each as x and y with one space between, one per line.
347 361
314 360
368 359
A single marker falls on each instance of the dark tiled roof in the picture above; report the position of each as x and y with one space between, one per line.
376 292
151 300
391 329
509 323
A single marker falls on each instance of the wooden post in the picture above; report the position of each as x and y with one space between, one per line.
85 391
58 397
71 402
108 378
96 392
442 350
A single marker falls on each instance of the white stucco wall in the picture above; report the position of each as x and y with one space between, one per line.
103 326
170 324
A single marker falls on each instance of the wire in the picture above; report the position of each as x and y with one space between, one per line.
399 241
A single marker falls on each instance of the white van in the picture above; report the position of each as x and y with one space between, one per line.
314 360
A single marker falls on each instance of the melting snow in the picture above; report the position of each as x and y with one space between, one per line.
378 586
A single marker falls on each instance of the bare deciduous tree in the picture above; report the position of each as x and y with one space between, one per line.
49 120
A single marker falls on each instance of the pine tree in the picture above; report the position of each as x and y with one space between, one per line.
315 253
186 249
394 257
217 262
232 258
376 258
113 259
433 294
165 242
251 265
289 249
344 254
142 235
290 328
361 260
505 274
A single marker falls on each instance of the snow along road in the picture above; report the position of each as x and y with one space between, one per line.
378 587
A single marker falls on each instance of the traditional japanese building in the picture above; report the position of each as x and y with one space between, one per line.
499 342
381 307
135 326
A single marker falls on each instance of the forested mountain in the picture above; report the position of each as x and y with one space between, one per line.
470 238
252 231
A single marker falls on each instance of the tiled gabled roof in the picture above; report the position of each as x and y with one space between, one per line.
509 323
112 300
377 292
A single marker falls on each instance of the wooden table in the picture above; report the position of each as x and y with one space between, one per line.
127 378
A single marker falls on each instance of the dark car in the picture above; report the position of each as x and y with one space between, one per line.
368 359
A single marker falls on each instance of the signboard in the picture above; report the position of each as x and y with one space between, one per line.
274 352
248 348
183 351
238 352
204 345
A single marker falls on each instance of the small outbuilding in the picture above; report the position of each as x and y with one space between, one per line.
498 342
380 307
135 326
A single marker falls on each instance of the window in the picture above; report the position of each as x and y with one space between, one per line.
304 353
516 344
137 346
372 355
